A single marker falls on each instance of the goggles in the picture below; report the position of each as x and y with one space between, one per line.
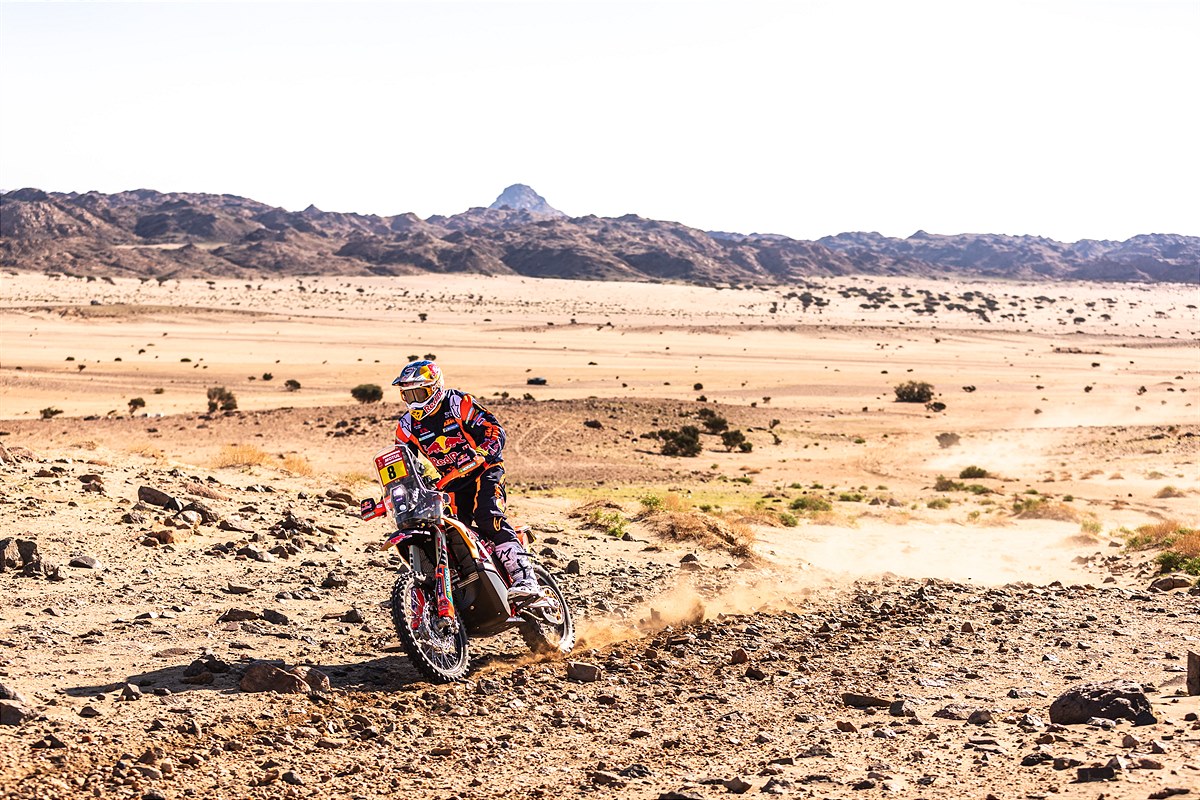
416 394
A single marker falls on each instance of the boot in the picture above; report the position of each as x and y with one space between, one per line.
516 563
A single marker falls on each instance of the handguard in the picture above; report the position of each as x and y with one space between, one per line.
371 509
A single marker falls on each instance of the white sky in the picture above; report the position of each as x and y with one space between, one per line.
1064 118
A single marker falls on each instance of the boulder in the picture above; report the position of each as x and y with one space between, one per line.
584 673
1117 699
155 497
14 713
1168 582
317 681
16 554
263 677
8 693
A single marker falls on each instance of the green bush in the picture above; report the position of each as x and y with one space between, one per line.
136 403
732 439
221 399
1171 561
788 520
47 413
291 385
610 522
938 502
914 392
974 472
367 393
684 442
811 503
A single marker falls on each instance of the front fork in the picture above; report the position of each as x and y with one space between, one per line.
442 583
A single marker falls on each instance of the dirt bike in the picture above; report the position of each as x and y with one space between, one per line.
450 586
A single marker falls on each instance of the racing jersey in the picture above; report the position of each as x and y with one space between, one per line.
457 438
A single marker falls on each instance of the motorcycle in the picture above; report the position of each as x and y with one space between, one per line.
450 586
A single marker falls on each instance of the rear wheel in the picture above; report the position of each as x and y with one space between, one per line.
548 627
440 655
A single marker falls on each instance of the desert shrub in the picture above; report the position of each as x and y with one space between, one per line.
291 385
938 503
1165 533
135 403
698 387
788 520
240 455
1043 508
49 412
414 357
914 392
367 393
945 440
159 390
683 442
221 399
974 472
1172 561
851 497
651 502
811 503
1168 492
936 406
944 484
732 439
1091 527
708 531
267 376
611 522
297 465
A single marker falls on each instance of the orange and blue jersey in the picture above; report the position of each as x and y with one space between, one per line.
458 438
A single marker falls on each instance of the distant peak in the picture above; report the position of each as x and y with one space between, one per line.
520 197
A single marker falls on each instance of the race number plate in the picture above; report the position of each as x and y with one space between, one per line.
391 466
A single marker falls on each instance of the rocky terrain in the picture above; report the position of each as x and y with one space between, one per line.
173 630
163 236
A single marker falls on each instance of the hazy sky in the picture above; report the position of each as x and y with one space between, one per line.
1064 118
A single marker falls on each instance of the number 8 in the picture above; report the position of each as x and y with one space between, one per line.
391 473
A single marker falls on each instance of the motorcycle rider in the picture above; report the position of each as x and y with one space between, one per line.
465 444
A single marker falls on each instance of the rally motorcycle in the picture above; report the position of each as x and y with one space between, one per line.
450 586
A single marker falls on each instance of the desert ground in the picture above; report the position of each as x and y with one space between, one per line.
875 598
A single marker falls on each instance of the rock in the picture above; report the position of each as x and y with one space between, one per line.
276 617
353 616
14 713
1088 774
755 674
316 680
235 524
1193 673
954 711
980 717
89 712
200 490
854 700
263 677
292 778
583 672
148 494
846 727
902 708
8 693
201 513
188 519
739 656
603 777
1118 699
131 692
335 580
574 567
238 615
85 562
1169 582
736 786
18 554
239 588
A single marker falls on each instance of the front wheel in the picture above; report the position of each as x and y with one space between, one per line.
440 655
548 627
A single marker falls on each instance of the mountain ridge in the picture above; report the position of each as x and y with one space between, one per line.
165 235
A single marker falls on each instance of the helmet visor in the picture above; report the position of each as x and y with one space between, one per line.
416 395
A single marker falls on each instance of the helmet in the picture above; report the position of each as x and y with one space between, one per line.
422 387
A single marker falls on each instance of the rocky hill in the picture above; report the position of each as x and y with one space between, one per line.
158 235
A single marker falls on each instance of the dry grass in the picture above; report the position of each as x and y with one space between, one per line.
1188 544
708 531
297 465
354 479
1169 492
1043 508
1156 534
240 455
146 450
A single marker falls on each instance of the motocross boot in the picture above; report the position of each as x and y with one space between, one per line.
516 563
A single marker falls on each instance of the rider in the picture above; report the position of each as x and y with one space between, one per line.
465 444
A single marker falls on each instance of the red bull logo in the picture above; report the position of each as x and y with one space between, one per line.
444 444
